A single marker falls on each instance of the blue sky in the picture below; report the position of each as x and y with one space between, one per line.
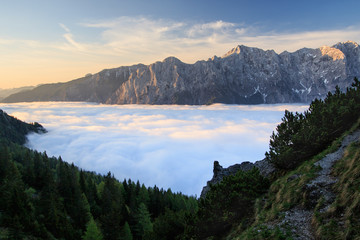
50 41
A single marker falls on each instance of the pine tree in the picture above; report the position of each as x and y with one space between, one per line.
13 201
126 232
51 207
28 172
92 231
112 208
143 220
83 212
5 158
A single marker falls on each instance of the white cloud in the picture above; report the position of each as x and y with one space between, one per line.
146 40
211 28
170 146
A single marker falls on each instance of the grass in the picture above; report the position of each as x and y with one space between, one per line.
342 220
261 232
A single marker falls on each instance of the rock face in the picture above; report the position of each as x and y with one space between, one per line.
244 75
265 168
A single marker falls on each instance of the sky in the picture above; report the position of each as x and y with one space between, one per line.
170 146
45 41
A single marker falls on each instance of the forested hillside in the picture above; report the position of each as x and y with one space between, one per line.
13 130
43 197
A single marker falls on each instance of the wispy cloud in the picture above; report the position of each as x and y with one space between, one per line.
64 27
170 146
70 39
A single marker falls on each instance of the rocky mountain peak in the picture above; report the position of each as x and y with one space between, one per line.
241 49
352 42
348 44
334 53
235 50
172 59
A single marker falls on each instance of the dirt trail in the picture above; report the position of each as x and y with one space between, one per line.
298 217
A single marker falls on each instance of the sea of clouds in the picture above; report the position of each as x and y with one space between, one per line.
169 146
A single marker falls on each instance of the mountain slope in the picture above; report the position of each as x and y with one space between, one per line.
243 76
15 130
7 92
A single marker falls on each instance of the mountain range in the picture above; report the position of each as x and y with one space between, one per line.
244 75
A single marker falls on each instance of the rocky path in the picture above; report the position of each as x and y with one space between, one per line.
299 218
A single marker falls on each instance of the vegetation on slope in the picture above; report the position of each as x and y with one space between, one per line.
229 203
14 130
341 221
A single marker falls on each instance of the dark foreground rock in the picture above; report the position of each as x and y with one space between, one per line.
264 166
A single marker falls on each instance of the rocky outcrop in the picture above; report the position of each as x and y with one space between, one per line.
244 75
264 166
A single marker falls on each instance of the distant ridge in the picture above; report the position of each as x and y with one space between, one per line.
7 92
244 75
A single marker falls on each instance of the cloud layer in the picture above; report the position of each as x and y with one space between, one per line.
168 146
